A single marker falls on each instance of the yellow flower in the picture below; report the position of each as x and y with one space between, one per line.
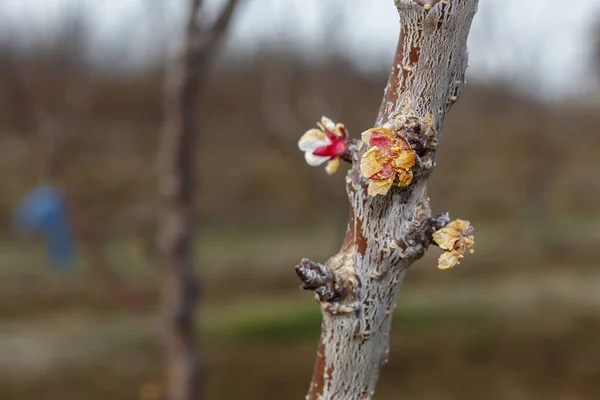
454 238
389 157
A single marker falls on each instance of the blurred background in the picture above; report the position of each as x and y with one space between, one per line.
518 320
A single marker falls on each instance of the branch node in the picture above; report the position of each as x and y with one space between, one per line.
350 155
336 308
320 279
422 237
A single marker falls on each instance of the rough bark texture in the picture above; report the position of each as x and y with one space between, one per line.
177 183
357 287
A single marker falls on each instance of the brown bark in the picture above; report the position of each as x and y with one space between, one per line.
386 234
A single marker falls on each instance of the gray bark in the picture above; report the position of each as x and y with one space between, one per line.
387 234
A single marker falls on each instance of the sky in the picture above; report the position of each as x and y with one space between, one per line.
541 46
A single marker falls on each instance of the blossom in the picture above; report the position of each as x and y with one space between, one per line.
325 144
454 238
389 157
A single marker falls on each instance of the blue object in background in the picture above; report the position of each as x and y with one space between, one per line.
44 210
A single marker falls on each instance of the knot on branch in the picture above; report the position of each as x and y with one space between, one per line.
426 4
424 235
320 279
421 238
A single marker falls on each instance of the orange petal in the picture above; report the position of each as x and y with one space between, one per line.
370 163
405 177
460 225
448 260
366 135
379 187
332 166
405 160
446 238
455 239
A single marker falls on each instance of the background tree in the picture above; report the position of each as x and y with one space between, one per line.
185 81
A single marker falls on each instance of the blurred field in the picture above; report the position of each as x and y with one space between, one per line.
506 331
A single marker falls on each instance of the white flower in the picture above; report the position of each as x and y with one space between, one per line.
324 145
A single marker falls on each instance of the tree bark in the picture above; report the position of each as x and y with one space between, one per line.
176 180
357 287
177 183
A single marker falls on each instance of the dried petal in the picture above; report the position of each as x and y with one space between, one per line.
379 187
382 138
377 134
370 163
405 160
388 156
388 172
332 166
469 242
450 234
448 260
405 177
446 238
454 238
312 140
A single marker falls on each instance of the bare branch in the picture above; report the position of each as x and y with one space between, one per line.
176 184
221 24
208 38
191 26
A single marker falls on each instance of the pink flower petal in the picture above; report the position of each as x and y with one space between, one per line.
387 172
337 146
382 141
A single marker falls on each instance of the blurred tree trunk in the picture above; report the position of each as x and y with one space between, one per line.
390 229
184 82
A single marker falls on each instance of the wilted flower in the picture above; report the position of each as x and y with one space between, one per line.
454 238
389 157
325 144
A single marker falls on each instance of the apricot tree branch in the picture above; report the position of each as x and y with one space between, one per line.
390 226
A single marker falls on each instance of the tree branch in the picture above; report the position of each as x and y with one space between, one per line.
208 38
180 285
390 225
